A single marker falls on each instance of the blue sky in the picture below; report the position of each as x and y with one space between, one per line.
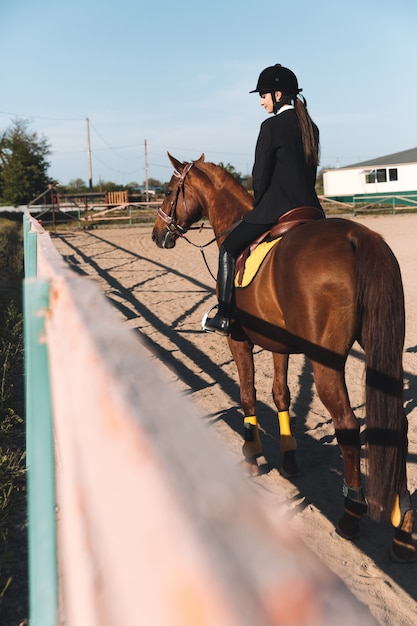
178 75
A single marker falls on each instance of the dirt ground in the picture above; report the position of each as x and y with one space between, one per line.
163 294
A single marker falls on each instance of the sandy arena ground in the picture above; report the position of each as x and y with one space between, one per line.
163 294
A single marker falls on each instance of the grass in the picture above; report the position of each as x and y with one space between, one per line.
13 531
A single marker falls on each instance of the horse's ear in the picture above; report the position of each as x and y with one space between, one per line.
200 159
176 164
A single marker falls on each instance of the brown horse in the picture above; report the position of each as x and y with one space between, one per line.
327 284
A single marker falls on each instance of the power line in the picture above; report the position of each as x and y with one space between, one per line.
40 117
118 171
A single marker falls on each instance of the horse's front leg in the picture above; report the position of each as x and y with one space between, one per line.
281 395
242 352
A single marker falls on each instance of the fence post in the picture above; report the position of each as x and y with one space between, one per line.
29 242
40 459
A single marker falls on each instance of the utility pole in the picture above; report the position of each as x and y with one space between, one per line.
90 169
146 172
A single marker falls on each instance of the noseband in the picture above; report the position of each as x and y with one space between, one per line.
171 218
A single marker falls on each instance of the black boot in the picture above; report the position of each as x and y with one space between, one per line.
220 323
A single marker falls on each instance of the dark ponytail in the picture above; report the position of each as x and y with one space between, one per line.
309 132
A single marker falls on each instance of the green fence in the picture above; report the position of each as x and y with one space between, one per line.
39 444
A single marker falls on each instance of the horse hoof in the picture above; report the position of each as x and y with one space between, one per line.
348 527
289 467
250 465
402 553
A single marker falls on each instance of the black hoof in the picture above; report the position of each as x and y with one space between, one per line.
349 524
348 528
402 548
402 554
251 466
289 467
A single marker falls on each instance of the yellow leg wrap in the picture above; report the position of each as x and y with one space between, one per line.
252 446
250 419
287 441
284 422
396 513
402 504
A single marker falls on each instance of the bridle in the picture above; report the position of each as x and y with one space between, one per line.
170 218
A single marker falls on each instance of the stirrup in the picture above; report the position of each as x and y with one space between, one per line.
205 318
222 326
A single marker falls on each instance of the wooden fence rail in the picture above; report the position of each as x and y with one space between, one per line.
155 523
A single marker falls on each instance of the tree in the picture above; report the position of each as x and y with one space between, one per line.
23 164
76 185
154 183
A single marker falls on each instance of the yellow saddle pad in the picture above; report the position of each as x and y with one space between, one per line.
254 261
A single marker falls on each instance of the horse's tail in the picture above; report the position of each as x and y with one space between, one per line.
380 301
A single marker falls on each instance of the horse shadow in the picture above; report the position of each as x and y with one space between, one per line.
320 482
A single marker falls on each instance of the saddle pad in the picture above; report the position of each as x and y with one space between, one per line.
254 261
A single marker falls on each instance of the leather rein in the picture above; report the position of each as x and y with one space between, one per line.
170 218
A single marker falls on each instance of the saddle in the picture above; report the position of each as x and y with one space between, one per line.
286 222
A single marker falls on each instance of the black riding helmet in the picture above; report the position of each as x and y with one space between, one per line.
278 78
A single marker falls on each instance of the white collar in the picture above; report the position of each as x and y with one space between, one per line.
285 107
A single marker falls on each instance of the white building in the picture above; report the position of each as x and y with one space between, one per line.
390 180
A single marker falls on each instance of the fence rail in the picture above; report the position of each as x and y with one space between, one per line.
372 203
154 522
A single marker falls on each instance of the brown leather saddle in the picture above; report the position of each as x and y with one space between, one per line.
286 222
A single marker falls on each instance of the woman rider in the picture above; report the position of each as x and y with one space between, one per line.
284 176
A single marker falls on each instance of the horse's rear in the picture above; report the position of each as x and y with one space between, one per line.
324 286
304 296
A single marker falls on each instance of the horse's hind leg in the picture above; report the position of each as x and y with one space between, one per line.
403 549
281 395
331 388
242 352
402 518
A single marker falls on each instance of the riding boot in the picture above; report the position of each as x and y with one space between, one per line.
220 323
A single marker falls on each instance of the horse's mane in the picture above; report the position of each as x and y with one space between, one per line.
224 180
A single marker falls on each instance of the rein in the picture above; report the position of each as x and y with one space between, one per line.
171 220
201 247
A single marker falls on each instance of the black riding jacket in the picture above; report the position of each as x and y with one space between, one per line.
282 180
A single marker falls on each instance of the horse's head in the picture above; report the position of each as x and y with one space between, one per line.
180 207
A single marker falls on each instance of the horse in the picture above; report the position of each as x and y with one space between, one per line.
327 284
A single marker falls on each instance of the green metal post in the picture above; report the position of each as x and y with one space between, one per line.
43 594
30 248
